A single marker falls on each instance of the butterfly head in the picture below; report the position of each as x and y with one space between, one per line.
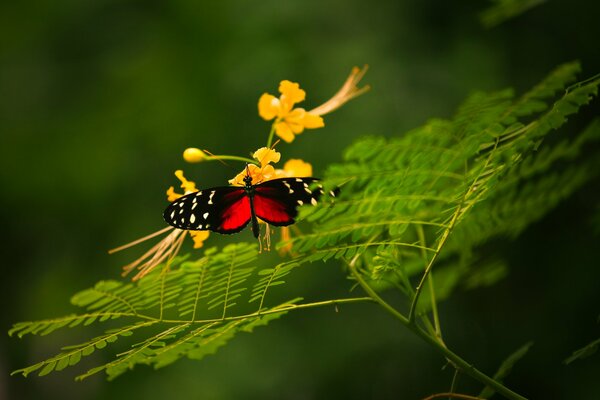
248 180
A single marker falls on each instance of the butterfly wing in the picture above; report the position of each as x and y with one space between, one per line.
275 201
223 209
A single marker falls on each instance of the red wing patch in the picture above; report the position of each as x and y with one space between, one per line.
235 216
273 211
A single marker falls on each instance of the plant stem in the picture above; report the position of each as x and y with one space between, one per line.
458 362
434 309
442 242
271 133
459 212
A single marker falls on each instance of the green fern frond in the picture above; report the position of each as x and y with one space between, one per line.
73 354
185 310
584 352
484 164
171 299
503 10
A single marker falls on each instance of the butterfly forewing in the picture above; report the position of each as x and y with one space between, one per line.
275 201
222 209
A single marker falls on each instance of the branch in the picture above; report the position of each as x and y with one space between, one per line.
451 356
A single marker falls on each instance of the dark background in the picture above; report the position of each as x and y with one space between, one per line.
98 99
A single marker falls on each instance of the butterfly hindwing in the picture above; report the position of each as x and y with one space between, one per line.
275 201
223 209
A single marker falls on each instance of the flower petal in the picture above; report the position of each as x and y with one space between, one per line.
268 106
295 120
188 186
284 131
291 91
171 195
312 121
297 167
266 155
290 95
258 174
199 237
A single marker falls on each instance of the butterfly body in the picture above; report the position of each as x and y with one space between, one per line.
228 209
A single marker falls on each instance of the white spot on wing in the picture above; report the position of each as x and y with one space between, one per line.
212 193
298 180
300 202
192 219
173 215
307 190
313 201
194 205
332 193
205 215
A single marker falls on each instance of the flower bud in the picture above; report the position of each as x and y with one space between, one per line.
193 155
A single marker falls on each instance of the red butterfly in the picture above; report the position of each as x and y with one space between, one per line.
228 209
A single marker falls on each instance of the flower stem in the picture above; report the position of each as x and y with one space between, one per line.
458 362
271 134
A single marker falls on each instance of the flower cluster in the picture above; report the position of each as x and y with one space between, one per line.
288 121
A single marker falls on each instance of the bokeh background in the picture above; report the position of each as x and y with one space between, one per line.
98 99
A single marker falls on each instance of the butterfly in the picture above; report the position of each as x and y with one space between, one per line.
228 209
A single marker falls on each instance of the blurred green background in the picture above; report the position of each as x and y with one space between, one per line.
100 98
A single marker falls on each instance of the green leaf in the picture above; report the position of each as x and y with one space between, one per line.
505 368
583 352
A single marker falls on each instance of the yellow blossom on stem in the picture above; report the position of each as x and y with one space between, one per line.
187 186
294 167
168 247
259 173
199 237
289 121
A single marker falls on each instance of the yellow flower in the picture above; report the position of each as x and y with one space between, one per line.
294 167
261 173
168 247
199 237
289 121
